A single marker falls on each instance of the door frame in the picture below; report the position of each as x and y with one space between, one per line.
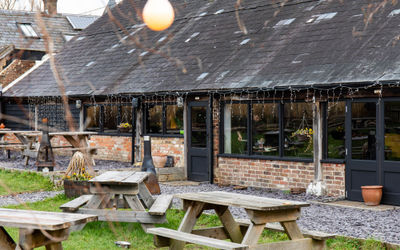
209 129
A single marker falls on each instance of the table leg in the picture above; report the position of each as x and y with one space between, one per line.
30 239
99 201
6 242
54 246
253 234
292 230
188 222
229 223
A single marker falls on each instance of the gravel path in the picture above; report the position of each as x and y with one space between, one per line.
27 197
359 223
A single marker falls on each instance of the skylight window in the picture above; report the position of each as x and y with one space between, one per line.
68 37
321 17
27 30
284 22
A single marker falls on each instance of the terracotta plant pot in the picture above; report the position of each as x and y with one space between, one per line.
159 160
372 195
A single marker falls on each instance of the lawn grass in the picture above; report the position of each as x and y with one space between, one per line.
102 235
12 182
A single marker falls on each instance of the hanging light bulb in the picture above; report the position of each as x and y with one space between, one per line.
158 15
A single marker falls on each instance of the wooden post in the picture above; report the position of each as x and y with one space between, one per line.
81 118
317 140
36 117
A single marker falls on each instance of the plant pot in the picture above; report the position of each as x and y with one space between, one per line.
159 160
74 188
124 130
372 195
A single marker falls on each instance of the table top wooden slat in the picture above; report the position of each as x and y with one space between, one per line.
241 200
136 177
120 177
72 133
27 132
41 220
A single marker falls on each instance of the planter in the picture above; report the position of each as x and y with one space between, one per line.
74 188
124 130
159 160
372 195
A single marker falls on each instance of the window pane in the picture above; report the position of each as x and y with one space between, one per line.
154 119
126 114
298 122
110 118
392 131
265 129
199 127
363 126
336 130
93 118
235 129
174 119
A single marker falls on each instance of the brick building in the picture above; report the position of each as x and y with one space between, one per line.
274 95
24 34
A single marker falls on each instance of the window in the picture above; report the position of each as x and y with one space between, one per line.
68 37
27 30
269 129
265 129
336 130
392 131
106 118
163 119
235 128
298 130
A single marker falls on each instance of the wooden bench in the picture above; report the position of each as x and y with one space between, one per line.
319 238
165 235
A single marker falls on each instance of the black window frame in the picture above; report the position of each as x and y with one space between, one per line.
102 117
249 154
163 122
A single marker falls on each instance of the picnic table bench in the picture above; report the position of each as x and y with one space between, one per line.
28 142
121 189
38 228
260 210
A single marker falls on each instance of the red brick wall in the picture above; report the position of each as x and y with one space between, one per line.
115 148
169 146
14 70
334 178
278 174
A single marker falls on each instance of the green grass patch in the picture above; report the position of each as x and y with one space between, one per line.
102 235
20 182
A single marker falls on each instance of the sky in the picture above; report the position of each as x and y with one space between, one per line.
90 7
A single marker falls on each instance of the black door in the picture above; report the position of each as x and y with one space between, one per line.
373 153
199 165
361 146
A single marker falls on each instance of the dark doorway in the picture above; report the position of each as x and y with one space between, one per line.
373 148
199 144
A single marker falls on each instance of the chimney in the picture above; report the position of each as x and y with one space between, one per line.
50 7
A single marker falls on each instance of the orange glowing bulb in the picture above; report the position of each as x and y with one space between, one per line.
158 15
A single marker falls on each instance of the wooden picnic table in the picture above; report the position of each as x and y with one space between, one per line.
28 142
38 228
260 211
121 189
79 142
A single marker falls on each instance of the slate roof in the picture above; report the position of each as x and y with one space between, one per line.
10 34
303 43
79 22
